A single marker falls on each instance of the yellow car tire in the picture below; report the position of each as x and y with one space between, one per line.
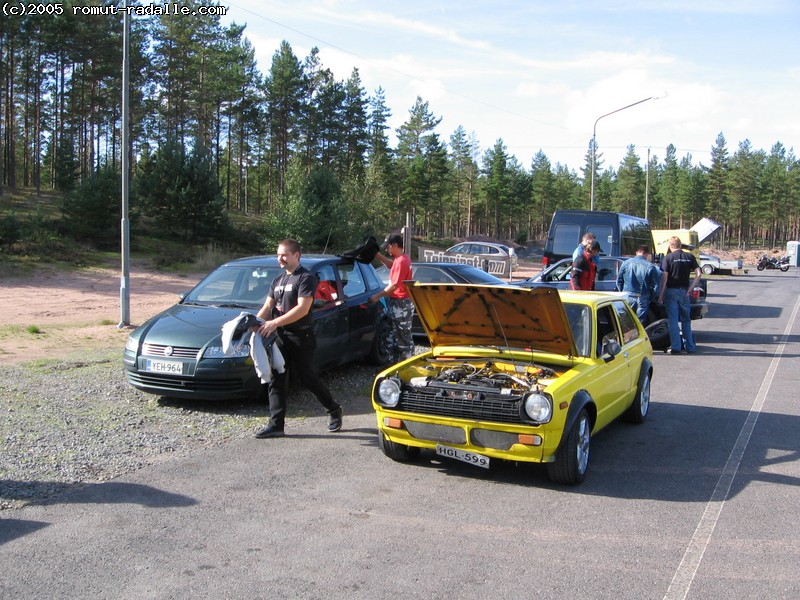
572 458
395 451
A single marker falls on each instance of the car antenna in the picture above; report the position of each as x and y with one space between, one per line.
325 249
502 329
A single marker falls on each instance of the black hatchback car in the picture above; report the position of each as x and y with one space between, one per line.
178 352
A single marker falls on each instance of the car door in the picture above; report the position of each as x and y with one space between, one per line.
361 315
633 342
330 318
612 384
606 278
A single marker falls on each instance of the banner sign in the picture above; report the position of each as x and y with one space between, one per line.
499 266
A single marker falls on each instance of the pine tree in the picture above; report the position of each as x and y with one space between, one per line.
465 174
745 185
543 198
495 168
286 89
628 195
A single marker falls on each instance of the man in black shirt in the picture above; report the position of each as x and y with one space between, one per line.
677 268
287 311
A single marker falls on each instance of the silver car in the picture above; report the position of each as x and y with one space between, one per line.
487 249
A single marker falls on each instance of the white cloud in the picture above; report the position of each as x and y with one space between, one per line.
538 76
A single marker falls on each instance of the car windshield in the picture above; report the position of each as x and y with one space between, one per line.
234 286
580 321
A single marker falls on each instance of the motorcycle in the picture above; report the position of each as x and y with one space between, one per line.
765 262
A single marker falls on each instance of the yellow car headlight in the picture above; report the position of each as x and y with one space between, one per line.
389 392
538 407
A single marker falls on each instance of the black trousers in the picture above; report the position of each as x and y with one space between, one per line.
297 348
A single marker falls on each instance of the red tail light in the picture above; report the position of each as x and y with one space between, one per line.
696 294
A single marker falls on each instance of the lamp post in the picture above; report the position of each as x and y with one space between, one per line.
125 277
594 140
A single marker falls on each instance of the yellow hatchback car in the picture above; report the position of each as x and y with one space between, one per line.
515 374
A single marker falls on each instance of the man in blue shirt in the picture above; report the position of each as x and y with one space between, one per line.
640 279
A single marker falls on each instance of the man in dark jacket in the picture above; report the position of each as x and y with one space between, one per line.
584 268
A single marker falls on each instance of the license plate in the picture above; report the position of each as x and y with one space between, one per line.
479 460
163 366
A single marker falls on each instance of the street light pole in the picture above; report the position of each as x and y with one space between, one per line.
594 140
125 277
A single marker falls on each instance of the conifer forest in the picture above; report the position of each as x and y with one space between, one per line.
213 139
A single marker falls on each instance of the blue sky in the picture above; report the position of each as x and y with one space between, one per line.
538 74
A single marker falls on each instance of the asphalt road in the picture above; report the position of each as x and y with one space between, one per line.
701 501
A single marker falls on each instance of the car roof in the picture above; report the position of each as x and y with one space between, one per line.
589 298
445 265
494 244
307 260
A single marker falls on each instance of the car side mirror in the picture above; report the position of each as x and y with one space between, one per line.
611 348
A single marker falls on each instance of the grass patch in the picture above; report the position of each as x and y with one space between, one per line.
33 329
11 331
33 234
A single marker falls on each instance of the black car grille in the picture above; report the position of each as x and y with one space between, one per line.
167 382
483 407
175 352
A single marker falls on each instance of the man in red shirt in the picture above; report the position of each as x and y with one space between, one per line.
401 308
584 268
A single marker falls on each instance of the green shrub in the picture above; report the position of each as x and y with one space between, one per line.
92 211
10 229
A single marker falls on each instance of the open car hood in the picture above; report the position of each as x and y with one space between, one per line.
483 315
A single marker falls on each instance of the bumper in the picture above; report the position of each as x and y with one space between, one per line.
522 443
699 310
223 379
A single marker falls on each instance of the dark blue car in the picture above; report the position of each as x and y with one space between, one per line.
178 352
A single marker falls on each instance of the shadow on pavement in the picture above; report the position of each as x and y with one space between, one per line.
111 492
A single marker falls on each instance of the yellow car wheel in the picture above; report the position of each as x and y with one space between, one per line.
395 451
637 412
572 458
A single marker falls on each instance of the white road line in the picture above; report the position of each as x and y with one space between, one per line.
693 556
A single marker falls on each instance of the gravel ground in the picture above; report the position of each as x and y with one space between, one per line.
72 422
